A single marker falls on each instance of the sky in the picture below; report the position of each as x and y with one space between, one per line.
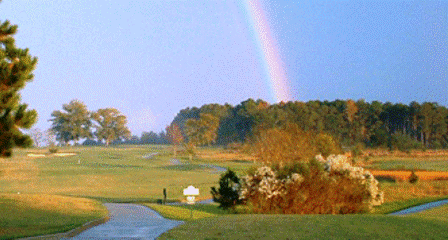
152 58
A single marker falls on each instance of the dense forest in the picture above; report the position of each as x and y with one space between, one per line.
373 124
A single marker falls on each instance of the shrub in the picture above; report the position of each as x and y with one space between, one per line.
357 150
413 178
228 193
53 148
404 142
326 145
320 186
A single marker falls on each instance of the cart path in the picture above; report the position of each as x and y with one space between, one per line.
420 208
129 221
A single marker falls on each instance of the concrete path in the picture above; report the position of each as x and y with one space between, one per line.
420 208
129 221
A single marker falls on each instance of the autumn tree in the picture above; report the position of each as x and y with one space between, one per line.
16 66
174 135
202 131
110 125
73 123
280 146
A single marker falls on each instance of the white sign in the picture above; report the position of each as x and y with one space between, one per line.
191 191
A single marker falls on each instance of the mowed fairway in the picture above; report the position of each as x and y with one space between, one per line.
108 173
310 227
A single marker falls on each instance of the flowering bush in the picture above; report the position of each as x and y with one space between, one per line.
322 186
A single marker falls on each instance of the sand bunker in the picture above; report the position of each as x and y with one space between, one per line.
64 154
36 155
40 155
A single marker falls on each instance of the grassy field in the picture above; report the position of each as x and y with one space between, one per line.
30 215
122 174
409 163
430 224
113 173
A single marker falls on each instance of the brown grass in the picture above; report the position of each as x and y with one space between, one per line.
412 153
220 155
405 190
52 203
18 170
404 175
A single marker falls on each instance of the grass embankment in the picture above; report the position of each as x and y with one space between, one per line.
184 212
24 215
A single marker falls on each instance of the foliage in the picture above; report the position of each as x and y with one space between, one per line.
16 66
404 142
174 135
228 193
52 148
413 178
321 186
202 131
357 150
347 121
326 145
151 138
111 125
291 144
73 123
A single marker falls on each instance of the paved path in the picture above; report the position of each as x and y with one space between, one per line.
129 221
420 208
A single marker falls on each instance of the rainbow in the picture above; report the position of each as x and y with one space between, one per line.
269 53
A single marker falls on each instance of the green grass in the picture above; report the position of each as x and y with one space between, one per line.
438 213
31 215
184 212
395 206
309 227
428 164
116 172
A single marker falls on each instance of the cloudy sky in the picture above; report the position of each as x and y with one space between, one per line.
152 58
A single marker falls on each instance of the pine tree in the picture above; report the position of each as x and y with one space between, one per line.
16 66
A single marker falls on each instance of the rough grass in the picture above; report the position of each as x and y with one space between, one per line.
310 227
438 213
31 214
394 206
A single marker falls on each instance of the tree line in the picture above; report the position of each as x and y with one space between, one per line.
374 124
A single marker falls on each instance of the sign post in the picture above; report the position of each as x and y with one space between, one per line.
190 192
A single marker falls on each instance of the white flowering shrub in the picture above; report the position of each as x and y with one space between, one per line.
340 164
323 186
